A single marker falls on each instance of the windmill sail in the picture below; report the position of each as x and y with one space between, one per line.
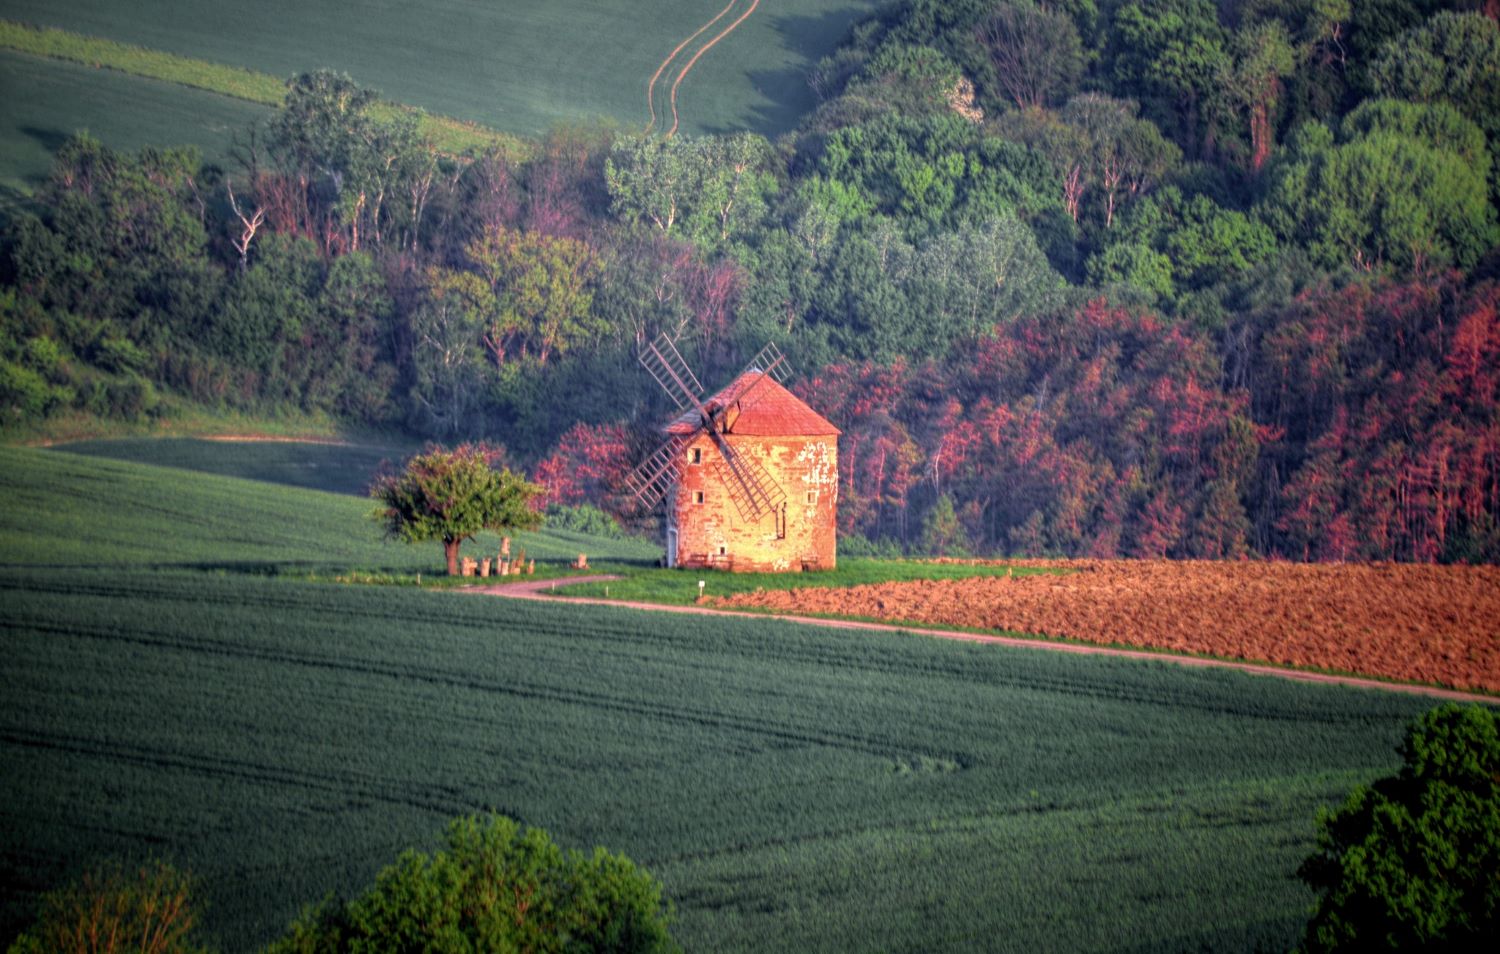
665 363
750 486
657 473
771 363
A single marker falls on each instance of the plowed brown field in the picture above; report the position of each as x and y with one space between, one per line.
1432 624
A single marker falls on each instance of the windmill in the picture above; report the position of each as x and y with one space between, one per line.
752 490
745 445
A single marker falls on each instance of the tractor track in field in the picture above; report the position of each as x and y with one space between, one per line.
651 85
692 61
543 591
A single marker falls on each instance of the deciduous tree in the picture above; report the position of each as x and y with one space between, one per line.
1452 58
1035 51
495 886
1262 58
1399 187
451 496
1409 861
540 292
109 909
709 187
1121 156
1174 52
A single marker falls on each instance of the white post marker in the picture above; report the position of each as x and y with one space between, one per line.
700 588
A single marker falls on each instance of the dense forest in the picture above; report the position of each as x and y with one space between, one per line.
1126 277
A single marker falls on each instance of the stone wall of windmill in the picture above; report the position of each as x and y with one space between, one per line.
713 531
749 475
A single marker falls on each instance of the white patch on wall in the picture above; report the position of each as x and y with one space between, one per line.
820 469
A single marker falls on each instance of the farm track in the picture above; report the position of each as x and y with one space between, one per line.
651 85
862 601
692 61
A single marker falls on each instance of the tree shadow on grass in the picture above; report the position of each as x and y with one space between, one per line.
789 97
49 139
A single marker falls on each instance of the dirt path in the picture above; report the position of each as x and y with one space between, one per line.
542 590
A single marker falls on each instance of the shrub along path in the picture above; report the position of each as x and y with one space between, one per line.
827 600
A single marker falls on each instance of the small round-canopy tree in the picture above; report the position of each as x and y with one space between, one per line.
497 886
1412 862
452 495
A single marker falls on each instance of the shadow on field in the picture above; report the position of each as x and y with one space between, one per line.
50 139
336 467
808 38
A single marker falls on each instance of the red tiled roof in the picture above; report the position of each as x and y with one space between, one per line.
772 411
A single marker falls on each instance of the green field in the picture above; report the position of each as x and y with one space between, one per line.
519 67
794 789
170 692
681 586
89 514
46 101
341 468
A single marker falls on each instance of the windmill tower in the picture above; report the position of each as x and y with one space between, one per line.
749 474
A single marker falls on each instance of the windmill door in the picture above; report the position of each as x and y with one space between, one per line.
671 547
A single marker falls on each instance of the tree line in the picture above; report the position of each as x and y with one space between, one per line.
1161 277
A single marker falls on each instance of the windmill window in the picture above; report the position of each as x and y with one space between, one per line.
697 496
812 496
695 456
723 551
781 522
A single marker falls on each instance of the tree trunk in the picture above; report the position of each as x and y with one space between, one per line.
1260 135
450 550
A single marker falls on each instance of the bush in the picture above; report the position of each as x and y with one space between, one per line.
584 518
146 911
859 545
1410 862
27 395
497 887
942 534
126 398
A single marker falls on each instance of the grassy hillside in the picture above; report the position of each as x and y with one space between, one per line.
794 788
518 67
335 467
79 513
46 101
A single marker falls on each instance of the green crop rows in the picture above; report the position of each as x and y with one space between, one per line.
448 135
794 788
522 71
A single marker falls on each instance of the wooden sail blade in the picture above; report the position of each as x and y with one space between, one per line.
771 363
770 360
665 363
750 486
650 481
